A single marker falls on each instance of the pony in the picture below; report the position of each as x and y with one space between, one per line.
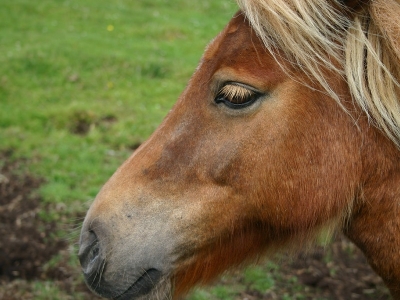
290 125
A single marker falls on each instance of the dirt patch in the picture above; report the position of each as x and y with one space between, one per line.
24 238
27 243
82 121
339 271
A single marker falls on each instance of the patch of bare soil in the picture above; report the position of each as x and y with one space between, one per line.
23 246
27 243
339 271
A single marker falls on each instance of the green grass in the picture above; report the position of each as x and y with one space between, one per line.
255 279
84 82
112 67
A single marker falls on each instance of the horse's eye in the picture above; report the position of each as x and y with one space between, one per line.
236 96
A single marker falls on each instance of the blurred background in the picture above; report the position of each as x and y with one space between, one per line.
82 85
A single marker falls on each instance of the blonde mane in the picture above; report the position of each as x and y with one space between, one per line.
363 46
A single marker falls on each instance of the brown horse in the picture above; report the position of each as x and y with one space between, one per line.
289 126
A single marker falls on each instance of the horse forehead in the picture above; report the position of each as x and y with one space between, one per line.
237 28
238 54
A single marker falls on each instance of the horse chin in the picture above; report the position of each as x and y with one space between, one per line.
141 286
152 285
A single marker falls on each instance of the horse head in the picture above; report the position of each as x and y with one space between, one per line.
257 154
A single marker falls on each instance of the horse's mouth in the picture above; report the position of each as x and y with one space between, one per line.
142 286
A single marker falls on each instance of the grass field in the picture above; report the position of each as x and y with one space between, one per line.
82 84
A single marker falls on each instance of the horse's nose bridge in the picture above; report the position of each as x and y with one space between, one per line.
177 160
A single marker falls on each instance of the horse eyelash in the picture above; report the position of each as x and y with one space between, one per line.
235 93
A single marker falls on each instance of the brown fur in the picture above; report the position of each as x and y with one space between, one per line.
219 187
263 228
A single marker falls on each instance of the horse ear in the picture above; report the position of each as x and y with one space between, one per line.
373 63
385 14
354 5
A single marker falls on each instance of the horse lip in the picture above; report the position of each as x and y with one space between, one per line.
142 286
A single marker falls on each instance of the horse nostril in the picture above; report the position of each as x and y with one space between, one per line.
89 253
94 253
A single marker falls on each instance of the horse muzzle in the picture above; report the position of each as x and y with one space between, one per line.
117 266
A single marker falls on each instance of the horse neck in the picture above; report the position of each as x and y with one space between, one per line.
374 225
